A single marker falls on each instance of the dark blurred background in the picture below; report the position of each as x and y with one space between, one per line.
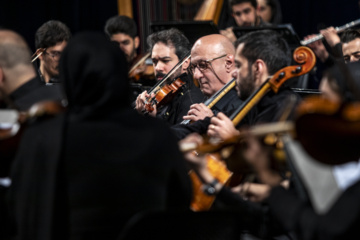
25 16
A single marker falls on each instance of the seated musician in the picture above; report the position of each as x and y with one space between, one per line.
167 48
20 88
123 30
258 56
212 62
347 46
18 79
243 14
53 37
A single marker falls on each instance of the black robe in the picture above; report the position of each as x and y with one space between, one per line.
84 173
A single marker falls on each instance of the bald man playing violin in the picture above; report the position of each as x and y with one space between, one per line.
212 62
167 48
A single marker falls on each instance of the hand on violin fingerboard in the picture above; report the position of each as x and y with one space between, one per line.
141 101
222 127
198 112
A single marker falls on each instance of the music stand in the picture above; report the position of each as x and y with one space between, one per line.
193 30
285 30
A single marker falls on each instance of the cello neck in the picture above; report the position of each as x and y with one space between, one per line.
217 96
302 55
250 102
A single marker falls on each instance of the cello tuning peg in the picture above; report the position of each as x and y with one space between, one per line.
297 70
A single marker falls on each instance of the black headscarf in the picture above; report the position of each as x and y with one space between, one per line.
94 74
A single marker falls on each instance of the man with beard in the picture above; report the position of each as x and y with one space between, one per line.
52 36
243 14
258 56
123 30
169 47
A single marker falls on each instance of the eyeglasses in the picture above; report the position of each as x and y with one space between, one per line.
203 65
55 55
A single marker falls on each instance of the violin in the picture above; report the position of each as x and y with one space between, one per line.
165 92
12 128
142 69
329 131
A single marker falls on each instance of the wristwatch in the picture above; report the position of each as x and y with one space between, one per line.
209 189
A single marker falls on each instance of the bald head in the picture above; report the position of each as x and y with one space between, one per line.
15 62
13 50
215 53
213 44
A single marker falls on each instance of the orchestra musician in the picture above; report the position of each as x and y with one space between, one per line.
270 11
212 63
346 47
167 48
18 79
52 37
342 220
254 65
123 30
21 87
243 14
75 175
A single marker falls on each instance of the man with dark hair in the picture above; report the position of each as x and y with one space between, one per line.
258 55
52 36
243 14
351 45
168 48
347 46
123 30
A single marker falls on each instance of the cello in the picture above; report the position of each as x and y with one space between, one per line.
306 61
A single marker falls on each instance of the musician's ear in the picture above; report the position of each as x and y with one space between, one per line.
136 42
260 71
259 66
186 64
229 63
1 77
